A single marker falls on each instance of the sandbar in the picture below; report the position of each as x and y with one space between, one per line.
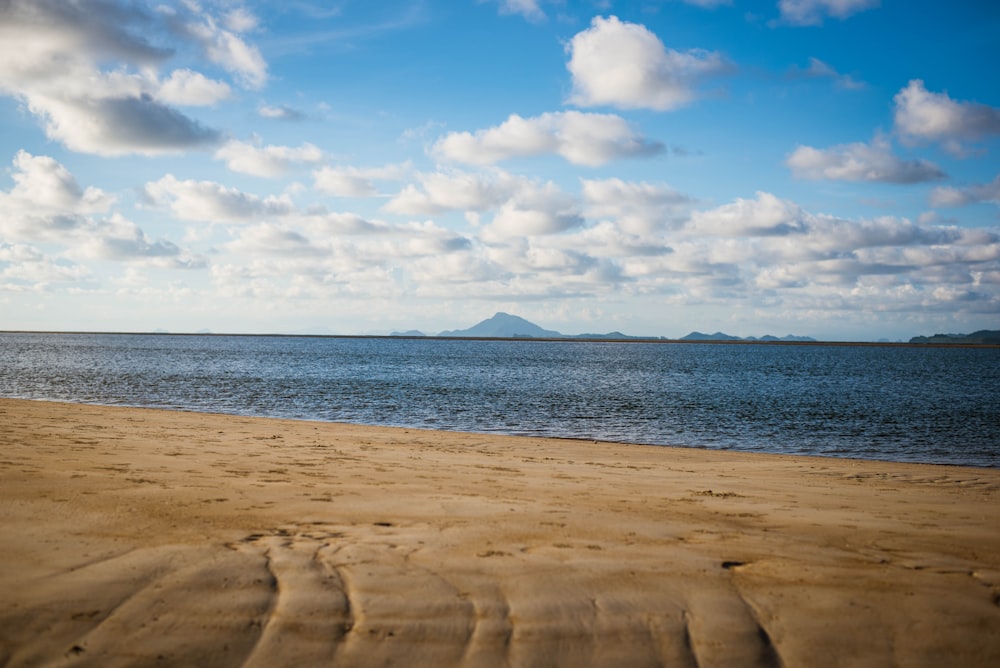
153 537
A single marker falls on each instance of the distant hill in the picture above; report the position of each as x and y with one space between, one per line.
506 326
991 336
720 336
701 336
410 332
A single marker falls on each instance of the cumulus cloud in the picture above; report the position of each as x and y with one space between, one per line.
89 71
213 202
456 191
106 123
950 196
921 115
813 12
534 210
581 138
121 239
185 87
326 224
542 242
43 184
48 205
769 237
46 202
25 268
771 252
334 254
349 181
764 216
266 161
637 208
860 162
274 239
625 65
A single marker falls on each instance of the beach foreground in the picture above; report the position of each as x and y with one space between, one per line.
139 537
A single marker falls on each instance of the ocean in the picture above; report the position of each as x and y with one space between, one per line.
895 403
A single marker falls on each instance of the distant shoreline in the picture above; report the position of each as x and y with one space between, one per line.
529 339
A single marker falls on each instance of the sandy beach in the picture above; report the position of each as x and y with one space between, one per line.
148 537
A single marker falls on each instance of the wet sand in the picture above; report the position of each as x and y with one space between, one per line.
144 537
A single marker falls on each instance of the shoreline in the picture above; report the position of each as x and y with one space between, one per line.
526 339
505 434
136 533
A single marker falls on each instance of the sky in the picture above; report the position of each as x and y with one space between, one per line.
828 168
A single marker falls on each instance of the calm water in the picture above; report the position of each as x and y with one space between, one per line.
904 404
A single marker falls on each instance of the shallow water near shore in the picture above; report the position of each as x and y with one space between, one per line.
934 405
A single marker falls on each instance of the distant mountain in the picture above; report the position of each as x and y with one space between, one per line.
720 336
614 336
701 336
505 326
990 336
409 332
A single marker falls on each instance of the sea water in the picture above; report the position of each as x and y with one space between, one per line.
920 404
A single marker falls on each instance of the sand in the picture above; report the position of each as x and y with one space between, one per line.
146 537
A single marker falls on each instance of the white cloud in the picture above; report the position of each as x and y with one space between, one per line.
47 205
266 161
544 243
637 208
343 182
925 116
26 269
950 196
769 238
534 210
213 202
529 9
110 125
766 215
224 46
581 138
41 184
274 239
456 191
820 70
88 71
812 12
46 202
860 162
185 87
241 20
625 65
356 182
121 239
283 113
338 224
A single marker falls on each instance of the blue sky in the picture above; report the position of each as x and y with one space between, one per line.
819 167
